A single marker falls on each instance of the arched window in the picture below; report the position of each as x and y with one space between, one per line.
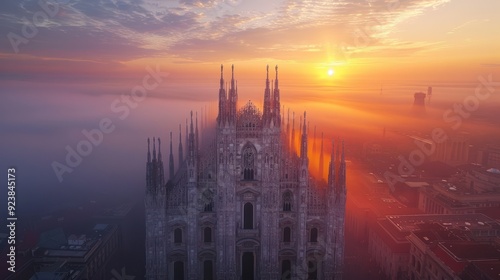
287 201
178 270
207 235
209 206
286 269
286 234
249 158
178 235
314 235
248 216
207 198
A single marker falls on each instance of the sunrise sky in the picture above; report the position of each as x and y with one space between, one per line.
333 56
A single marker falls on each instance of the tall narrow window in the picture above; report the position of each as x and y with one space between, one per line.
287 201
314 235
286 234
248 216
178 235
248 163
207 235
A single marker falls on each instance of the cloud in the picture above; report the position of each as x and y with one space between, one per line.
203 30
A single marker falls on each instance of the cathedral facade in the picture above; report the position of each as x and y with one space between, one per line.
243 204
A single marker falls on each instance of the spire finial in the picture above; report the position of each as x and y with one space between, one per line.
304 127
267 69
321 161
149 153
154 148
159 149
343 151
180 134
181 152
191 127
221 76
276 80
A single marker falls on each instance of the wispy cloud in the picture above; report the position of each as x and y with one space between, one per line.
204 30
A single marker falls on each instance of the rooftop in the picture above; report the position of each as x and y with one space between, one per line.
451 221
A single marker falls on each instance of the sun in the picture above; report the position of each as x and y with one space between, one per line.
330 72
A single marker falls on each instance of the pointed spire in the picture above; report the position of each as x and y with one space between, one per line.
181 152
303 144
171 160
232 99
293 132
187 137
191 127
266 116
342 156
331 169
276 99
149 153
221 76
191 143
196 134
159 149
304 130
222 99
340 184
232 76
276 80
154 149
267 76
321 167
288 124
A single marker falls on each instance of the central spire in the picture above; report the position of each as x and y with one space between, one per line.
171 159
232 76
222 117
266 117
276 100
303 144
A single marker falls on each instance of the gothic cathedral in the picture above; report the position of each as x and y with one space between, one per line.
243 204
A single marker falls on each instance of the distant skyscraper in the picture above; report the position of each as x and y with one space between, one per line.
429 95
418 107
244 206
419 99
